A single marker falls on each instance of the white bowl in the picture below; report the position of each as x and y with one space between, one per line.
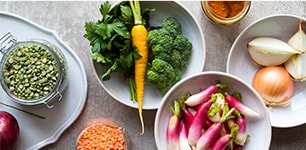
259 129
118 88
240 64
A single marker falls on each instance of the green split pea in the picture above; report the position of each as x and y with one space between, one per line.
30 72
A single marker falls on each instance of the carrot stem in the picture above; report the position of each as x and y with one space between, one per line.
135 6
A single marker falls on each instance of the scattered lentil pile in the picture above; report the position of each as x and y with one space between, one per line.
30 72
102 137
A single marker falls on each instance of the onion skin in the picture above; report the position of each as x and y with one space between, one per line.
274 84
9 131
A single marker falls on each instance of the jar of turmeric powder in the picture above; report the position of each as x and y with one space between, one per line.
225 12
101 134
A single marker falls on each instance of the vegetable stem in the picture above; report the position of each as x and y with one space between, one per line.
133 95
19 109
136 11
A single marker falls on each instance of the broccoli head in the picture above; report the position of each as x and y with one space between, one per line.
171 25
160 40
161 74
182 43
164 56
178 55
158 36
182 51
170 52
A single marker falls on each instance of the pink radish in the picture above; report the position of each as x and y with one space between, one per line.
242 136
222 142
205 94
188 118
226 139
195 129
243 109
208 138
187 114
172 132
183 140
206 123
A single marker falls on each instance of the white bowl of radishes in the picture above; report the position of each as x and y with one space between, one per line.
212 110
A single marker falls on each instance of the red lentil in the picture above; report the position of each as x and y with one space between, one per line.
102 137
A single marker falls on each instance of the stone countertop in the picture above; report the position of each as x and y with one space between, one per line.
67 19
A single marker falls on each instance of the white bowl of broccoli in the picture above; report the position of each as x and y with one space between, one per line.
181 66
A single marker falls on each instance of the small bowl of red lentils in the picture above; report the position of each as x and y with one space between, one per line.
102 134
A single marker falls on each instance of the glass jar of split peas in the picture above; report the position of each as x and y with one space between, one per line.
225 12
101 134
32 72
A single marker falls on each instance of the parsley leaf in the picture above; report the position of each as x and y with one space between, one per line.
104 9
126 15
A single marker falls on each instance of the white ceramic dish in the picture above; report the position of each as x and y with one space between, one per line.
118 88
239 63
35 132
259 129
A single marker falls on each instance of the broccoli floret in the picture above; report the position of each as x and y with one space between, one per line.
154 37
181 43
171 25
183 49
161 74
170 54
160 41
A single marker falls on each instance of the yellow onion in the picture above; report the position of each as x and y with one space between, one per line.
297 63
269 51
296 66
274 84
298 40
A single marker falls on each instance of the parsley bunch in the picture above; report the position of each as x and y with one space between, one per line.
110 39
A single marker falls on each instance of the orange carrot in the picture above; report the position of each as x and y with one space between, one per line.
139 39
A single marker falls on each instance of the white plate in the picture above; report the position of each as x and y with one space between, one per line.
118 88
36 133
239 63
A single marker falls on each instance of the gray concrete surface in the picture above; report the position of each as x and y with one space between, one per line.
67 18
